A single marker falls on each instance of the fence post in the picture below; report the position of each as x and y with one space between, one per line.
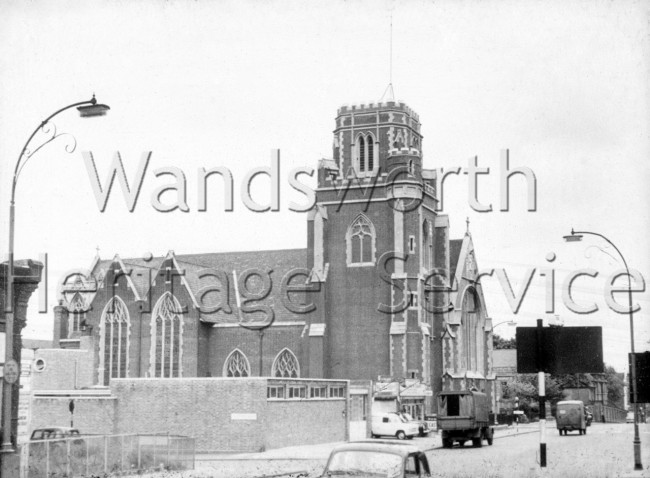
155 442
105 453
139 453
122 453
168 447
67 458
87 458
47 458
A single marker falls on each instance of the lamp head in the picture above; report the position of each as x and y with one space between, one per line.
93 109
573 237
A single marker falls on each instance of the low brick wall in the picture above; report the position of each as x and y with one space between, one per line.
94 416
230 414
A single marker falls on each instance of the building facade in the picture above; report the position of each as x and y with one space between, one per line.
380 292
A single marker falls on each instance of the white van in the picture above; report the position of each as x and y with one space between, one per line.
391 424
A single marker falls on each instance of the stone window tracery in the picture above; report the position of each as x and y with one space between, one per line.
114 340
286 365
361 240
237 365
167 338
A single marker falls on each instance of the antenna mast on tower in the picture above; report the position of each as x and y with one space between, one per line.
389 94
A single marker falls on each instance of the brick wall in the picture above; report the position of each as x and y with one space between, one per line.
93 416
59 366
304 422
226 414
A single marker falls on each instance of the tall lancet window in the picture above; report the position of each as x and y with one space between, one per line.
361 242
285 365
114 340
361 144
365 153
166 338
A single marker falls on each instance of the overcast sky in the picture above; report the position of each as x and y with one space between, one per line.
562 85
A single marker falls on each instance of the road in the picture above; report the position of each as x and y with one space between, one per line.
605 451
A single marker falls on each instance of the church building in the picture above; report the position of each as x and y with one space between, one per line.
379 293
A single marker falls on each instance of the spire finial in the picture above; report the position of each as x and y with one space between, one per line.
97 249
467 221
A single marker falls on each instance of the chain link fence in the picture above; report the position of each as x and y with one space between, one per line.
106 455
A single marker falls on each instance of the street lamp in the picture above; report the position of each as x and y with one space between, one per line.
86 109
510 323
576 236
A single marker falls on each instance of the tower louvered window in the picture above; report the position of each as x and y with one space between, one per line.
365 153
167 338
114 340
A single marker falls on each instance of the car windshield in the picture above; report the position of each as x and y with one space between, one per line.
364 464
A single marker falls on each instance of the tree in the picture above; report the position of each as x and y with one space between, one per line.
501 343
524 387
615 387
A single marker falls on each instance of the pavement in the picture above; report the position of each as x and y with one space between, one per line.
322 451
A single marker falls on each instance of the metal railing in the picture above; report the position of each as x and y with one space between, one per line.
106 455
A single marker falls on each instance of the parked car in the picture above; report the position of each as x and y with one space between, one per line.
377 459
392 424
423 426
570 415
56 433
629 418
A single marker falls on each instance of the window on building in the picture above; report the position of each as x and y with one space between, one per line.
361 142
337 391
411 168
361 242
237 365
411 244
297 391
365 152
167 338
78 315
114 340
427 245
285 365
413 300
318 392
371 153
275 391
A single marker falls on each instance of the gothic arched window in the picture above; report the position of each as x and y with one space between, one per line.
470 330
360 240
166 338
285 365
78 308
114 340
362 154
236 365
365 152
427 245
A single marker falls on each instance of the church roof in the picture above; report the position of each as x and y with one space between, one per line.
271 263
455 246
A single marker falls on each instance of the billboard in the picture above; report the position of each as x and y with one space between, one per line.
562 350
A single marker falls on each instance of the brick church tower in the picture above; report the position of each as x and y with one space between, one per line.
372 238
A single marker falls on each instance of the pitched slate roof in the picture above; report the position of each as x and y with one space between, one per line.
273 264
455 246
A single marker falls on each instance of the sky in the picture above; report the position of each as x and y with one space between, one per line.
562 85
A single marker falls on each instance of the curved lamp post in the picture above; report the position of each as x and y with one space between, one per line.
511 323
86 109
576 236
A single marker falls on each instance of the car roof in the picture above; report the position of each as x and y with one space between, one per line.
396 448
571 402
60 429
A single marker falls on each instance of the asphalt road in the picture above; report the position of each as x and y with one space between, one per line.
605 451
